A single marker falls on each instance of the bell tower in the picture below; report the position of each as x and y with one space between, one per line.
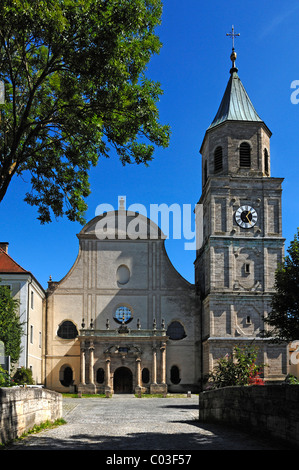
239 228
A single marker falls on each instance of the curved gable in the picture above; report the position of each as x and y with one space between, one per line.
121 225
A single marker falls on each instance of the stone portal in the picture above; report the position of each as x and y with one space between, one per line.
123 380
123 360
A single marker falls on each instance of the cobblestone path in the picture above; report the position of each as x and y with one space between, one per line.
127 423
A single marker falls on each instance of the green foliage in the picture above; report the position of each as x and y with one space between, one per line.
11 329
291 380
5 380
238 368
23 376
283 319
75 87
43 426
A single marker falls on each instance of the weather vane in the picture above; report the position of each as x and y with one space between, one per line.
233 35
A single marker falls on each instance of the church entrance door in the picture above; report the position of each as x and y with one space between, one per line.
123 380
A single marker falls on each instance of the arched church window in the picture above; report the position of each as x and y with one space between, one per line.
100 375
175 375
145 375
266 161
176 331
67 330
245 155
218 165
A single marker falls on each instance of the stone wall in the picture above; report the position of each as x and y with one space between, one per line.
272 409
22 408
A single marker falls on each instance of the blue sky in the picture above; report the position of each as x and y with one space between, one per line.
193 69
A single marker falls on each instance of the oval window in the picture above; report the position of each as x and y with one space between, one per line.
123 275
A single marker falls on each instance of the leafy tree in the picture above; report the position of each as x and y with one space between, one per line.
11 329
237 368
75 87
283 319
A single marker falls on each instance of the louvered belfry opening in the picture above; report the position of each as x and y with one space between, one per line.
245 155
218 165
266 162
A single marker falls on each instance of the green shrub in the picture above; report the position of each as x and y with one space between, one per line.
238 368
291 380
23 376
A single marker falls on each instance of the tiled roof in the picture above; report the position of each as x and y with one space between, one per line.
8 265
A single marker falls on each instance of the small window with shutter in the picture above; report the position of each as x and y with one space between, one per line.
245 155
218 165
266 162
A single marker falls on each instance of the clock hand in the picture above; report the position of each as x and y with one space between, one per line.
247 217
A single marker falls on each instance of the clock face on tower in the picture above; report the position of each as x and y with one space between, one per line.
246 216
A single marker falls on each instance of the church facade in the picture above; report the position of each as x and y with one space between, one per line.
124 320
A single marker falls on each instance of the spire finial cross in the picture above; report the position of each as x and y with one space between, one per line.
233 35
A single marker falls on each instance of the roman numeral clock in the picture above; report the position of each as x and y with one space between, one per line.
246 217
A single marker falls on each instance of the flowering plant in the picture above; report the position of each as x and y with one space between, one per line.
237 368
254 378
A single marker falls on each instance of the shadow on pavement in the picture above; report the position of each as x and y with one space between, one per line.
208 437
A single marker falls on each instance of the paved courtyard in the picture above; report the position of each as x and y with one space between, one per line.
127 423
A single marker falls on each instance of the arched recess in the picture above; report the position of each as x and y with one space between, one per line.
123 380
175 375
66 375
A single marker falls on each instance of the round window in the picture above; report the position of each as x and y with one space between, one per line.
123 314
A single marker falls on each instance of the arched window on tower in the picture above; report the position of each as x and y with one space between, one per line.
245 155
266 162
218 165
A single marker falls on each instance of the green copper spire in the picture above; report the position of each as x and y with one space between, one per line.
235 104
